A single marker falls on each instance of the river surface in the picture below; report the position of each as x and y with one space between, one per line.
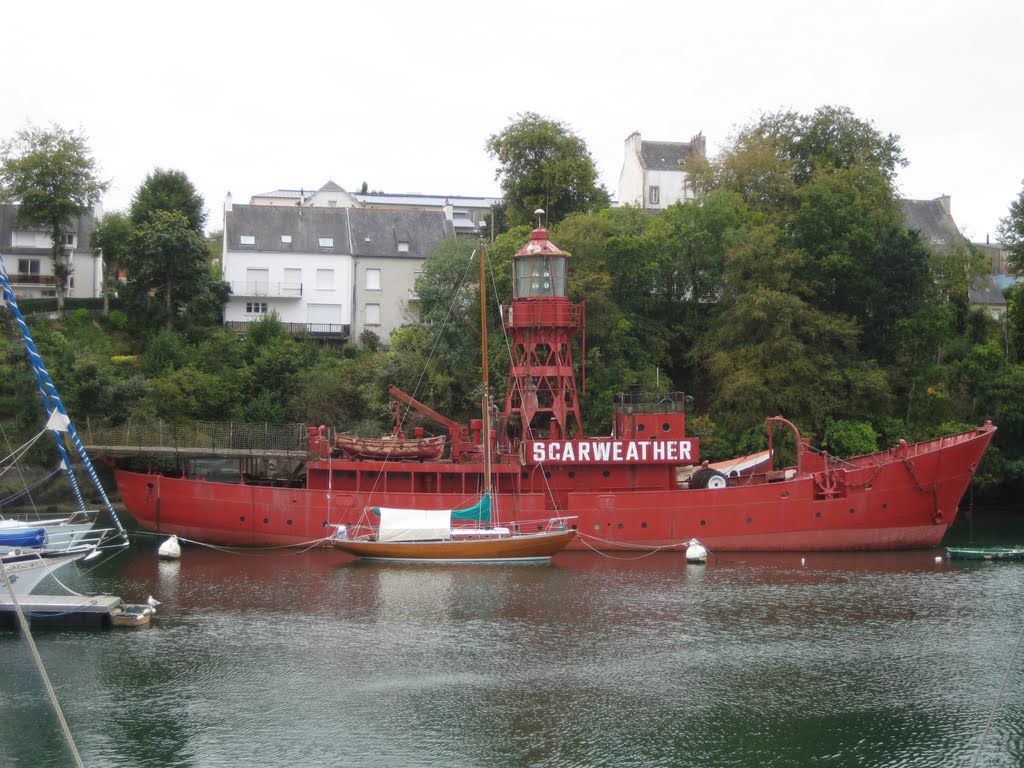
312 659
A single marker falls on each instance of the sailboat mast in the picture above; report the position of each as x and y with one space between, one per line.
486 400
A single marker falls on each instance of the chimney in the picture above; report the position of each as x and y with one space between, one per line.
228 203
946 204
449 210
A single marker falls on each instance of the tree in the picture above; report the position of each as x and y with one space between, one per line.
167 256
1011 233
543 164
112 235
164 190
52 175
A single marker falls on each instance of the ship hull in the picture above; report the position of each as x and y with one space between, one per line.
904 498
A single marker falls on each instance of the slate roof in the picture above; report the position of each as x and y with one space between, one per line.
666 155
933 222
985 291
356 231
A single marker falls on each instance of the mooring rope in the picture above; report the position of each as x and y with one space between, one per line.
23 622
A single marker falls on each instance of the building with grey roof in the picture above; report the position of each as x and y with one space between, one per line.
933 221
465 213
28 257
654 173
332 270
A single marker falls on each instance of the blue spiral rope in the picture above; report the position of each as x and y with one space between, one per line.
52 402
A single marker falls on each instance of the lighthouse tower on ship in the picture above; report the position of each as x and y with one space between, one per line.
541 399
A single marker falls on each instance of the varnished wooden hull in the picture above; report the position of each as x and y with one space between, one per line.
523 547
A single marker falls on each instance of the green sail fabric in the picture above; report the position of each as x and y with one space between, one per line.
480 511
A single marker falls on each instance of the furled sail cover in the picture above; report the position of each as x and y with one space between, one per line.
33 538
481 511
414 524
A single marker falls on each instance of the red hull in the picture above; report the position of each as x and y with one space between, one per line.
904 498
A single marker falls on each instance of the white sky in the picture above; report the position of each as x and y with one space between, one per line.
250 97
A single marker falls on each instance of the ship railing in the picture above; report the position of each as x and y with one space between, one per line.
634 401
196 438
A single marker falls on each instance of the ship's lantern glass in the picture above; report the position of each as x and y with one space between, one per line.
540 275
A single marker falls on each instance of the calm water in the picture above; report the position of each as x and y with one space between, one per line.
753 660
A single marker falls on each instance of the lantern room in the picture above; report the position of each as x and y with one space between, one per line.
540 269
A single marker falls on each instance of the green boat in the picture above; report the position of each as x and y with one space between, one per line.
985 553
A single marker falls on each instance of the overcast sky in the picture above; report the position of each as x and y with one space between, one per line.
251 97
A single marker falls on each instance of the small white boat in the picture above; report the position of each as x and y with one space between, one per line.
25 569
61 533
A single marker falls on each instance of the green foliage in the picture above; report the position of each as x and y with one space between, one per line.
848 438
543 164
171 192
169 258
117 320
1011 232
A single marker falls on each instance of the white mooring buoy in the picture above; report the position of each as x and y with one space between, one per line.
170 549
696 552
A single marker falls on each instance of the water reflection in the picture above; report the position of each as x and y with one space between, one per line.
313 659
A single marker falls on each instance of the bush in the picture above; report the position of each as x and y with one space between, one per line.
117 320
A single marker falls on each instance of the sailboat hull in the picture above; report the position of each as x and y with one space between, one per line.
519 548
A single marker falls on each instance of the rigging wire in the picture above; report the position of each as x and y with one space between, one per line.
50 692
999 697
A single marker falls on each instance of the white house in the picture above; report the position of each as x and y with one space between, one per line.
332 270
654 173
28 257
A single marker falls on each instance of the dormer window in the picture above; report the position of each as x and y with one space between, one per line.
326 242
403 246
247 240
286 239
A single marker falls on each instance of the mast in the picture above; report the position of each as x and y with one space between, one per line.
486 400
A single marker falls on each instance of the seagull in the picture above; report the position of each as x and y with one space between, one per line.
152 601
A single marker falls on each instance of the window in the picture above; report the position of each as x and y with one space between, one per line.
413 295
326 242
247 240
403 246
373 314
332 203
255 307
28 266
325 279
292 282
373 279
67 240
286 239
654 195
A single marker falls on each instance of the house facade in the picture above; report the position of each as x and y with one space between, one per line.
654 173
933 221
333 271
28 257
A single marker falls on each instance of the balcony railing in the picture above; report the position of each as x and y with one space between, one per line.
276 290
331 331
28 279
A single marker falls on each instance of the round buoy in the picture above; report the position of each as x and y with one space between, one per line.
696 552
170 549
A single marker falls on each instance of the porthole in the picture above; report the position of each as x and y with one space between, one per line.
571 474
852 510
547 475
643 525
666 427
606 473
266 520
621 526
750 520
641 427
817 514
703 522
289 522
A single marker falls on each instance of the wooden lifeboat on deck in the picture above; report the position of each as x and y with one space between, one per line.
392 447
